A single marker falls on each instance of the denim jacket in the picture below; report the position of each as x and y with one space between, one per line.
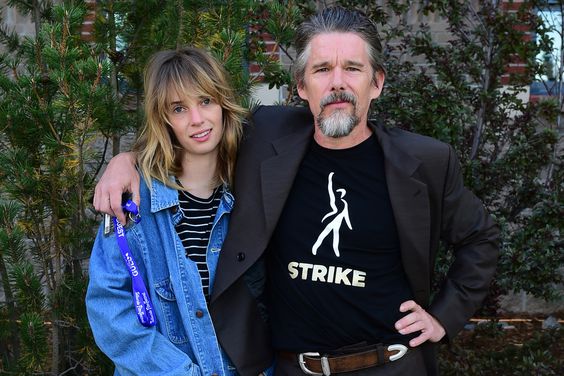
184 341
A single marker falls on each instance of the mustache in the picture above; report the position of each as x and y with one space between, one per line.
341 96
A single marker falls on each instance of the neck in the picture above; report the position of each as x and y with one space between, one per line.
199 174
359 134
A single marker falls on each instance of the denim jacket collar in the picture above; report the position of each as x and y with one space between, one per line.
164 197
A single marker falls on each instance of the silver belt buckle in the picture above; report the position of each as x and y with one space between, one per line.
324 364
401 351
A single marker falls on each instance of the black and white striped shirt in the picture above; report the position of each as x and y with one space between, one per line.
195 227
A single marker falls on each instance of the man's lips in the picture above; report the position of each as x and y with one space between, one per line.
338 103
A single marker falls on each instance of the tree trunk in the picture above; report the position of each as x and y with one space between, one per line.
56 262
116 138
55 341
36 16
179 39
80 214
485 88
12 316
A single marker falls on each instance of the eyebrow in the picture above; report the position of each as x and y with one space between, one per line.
347 63
320 65
354 63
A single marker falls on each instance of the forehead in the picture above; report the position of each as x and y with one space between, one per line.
183 92
334 47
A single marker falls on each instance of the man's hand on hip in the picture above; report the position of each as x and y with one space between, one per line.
419 320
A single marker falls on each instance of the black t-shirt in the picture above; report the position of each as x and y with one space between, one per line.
335 272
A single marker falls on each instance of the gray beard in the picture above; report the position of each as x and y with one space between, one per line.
338 124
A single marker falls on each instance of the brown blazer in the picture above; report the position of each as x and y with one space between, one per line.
430 204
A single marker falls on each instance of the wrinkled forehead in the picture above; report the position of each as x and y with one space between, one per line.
338 45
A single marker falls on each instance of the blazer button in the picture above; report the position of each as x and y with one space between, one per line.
199 314
240 256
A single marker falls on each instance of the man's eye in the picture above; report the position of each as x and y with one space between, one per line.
352 69
321 70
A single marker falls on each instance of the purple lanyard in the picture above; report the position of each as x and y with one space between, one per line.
141 298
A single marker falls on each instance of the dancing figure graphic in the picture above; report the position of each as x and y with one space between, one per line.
335 224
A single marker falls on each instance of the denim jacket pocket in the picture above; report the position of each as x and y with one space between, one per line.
171 314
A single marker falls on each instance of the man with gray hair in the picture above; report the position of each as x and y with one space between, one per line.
354 299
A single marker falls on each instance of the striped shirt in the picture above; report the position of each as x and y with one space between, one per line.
195 227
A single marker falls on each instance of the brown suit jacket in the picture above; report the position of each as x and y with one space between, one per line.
429 201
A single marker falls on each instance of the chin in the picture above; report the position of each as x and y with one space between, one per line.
338 124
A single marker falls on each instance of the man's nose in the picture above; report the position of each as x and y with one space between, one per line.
337 79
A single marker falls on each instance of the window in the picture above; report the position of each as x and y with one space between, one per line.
551 58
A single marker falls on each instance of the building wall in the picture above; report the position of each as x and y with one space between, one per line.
15 21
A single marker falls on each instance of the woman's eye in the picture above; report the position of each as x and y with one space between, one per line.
206 101
177 109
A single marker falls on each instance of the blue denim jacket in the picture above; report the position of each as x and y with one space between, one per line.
183 342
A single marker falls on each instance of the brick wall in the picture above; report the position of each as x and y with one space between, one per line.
516 66
88 25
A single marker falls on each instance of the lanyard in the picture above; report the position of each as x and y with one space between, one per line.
141 298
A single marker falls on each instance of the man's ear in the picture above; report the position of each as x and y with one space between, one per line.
302 92
377 84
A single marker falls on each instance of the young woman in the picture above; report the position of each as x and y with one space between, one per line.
186 154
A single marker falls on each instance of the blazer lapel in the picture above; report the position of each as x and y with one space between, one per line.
411 207
279 171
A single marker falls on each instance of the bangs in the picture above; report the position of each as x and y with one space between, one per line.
187 80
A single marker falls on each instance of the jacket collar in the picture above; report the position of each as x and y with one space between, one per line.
410 202
279 171
164 197
395 156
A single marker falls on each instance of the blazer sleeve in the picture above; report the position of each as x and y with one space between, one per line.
134 349
475 238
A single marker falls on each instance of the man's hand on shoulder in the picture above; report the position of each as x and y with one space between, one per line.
120 176
419 320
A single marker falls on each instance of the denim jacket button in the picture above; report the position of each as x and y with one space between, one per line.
240 256
199 314
214 374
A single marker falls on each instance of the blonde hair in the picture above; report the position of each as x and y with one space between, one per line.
192 72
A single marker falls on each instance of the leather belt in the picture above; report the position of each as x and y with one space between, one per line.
313 363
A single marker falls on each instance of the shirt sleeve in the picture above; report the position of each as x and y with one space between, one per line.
475 238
